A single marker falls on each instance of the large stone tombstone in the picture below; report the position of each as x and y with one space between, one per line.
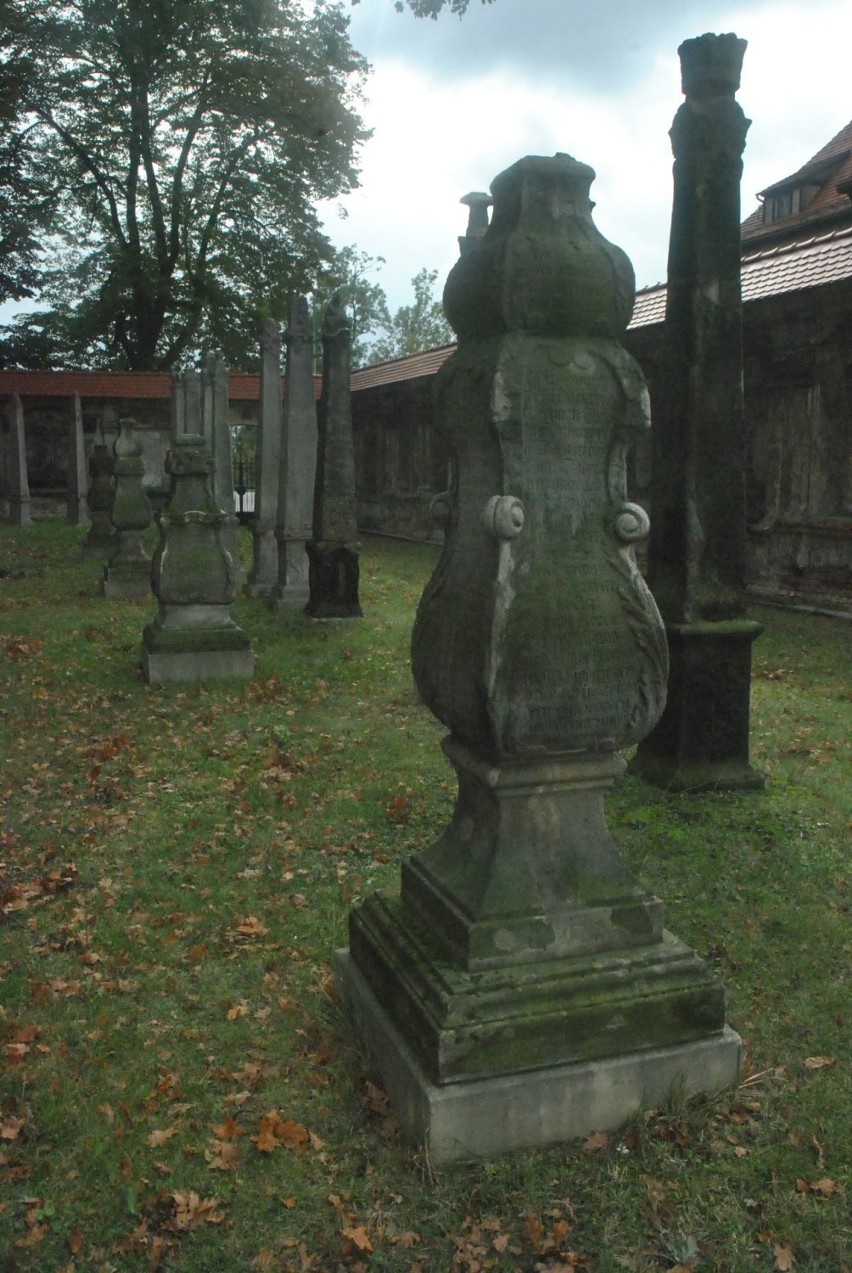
298 463
333 550
128 571
17 481
264 572
697 552
77 510
193 636
521 988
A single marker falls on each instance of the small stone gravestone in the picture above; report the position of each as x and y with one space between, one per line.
128 572
193 636
521 988
334 549
100 540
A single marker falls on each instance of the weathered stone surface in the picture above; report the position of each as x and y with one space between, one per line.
298 463
128 572
100 540
77 511
489 1116
217 420
264 572
697 550
520 944
193 636
17 483
333 549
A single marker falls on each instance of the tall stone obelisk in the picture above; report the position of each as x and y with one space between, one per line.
77 509
17 479
697 550
264 572
521 988
333 550
298 463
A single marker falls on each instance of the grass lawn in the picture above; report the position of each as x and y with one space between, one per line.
178 1089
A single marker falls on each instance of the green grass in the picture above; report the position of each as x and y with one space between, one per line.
178 865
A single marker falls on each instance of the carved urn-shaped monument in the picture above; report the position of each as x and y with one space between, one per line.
193 636
522 988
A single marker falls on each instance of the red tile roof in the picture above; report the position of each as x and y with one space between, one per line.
127 385
410 367
829 168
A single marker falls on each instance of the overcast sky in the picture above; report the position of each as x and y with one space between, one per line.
455 101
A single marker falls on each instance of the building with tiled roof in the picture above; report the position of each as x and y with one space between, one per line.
797 337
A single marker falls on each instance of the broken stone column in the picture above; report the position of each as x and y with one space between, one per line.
100 540
128 571
178 407
298 463
17 482
264 572
191 414
697 550
77 511
193 637
333 549
521 988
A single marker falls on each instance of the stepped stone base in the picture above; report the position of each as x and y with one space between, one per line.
493 1115
125 582
195 643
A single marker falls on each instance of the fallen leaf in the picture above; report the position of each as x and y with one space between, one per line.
819 1062
160 1137
784 1258
191 1211
358 1238
597 1141
10 1128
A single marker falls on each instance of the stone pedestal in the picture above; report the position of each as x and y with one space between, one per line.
333 551
193 637
701 742
522 987
128 572
697 550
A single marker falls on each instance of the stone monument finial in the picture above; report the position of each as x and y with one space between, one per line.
477 204
711 65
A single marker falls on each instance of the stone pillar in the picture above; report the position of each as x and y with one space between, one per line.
477 204
178 408
298 463
522 989
333 549
128 572
17 482
217 417
100 541
192 423
78 510
697 551
193 636
264 572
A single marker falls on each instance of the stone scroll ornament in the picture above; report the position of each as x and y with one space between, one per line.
193 636
522 965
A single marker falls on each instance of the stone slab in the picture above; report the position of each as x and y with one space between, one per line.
178 667
486 1117
125 588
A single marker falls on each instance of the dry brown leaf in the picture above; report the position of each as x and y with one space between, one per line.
10 1128
784 1258
161 1136
223 1155
191 1211
819 1062
597 1141
358 1237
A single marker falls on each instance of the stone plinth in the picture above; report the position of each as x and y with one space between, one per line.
484 1117
128 572
522 987
697 550
193 636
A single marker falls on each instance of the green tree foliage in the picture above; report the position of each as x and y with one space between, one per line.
187 143
415 327
431 8
349 274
